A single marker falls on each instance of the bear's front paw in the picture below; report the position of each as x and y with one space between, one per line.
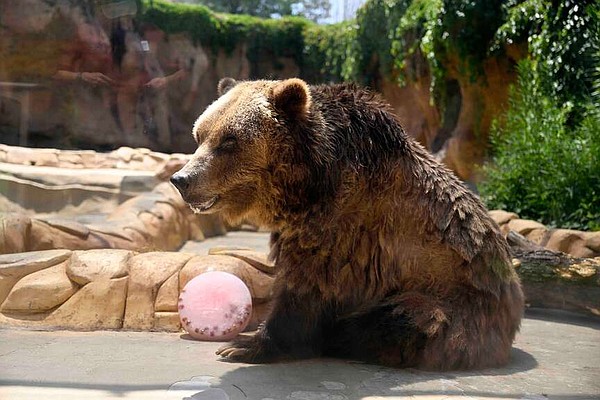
244 349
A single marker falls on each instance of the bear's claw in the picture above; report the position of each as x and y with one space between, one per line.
235 352
231 351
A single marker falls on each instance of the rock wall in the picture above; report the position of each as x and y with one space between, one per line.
156 220
122 289
576 243
76 76
116 289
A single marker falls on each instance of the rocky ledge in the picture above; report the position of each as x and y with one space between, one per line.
576 243
136 159
155 220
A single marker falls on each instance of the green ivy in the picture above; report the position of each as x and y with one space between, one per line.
563 40
264 37
328 54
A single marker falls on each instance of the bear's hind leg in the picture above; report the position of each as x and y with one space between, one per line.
378 335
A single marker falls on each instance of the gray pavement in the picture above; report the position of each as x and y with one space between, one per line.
554 357
258 241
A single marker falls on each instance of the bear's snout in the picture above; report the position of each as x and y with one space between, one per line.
181 181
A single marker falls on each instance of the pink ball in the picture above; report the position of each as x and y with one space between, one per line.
215 306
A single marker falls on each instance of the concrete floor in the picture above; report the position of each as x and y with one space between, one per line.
258 241
554 357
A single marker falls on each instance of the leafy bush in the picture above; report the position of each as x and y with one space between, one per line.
544 169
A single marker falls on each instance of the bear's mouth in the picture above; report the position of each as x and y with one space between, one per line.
203 207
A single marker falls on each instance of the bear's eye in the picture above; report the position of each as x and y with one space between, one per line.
229 142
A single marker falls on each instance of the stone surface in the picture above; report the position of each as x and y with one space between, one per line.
165 172
68 226
257 259
147 272
592 241
124 158
257 241
45 236
14 230
15 266
167 322
576 243
21 264
51 189
260 312
40 291
412 104
166 298
42 288
212 225
502 217
91 265
553 358
569 241
155 220
148 117
98 305
561 296
538 235
523 226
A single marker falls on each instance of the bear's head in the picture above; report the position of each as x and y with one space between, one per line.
241 138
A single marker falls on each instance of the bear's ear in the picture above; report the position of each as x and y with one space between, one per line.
225 85
291 97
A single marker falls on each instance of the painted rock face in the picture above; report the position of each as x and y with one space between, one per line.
215 306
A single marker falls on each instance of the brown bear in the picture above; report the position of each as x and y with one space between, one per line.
382 254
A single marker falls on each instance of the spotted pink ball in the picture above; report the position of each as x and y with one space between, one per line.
215 306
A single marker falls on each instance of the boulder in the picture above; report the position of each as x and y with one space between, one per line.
40 291
569 241
15 266
165 171
538 235
98 305
524 226
14 230
592 241
46 236
71 227
147 272
257 259
502 217
167 322
91 265
166 299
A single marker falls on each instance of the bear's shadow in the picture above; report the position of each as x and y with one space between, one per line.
332 379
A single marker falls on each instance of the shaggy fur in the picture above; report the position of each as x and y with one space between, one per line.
383 255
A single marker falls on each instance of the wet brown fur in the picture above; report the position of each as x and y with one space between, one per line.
383 255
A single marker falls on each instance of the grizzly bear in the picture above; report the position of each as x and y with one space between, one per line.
382 254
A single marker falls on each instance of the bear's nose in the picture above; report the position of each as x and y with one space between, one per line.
181 182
